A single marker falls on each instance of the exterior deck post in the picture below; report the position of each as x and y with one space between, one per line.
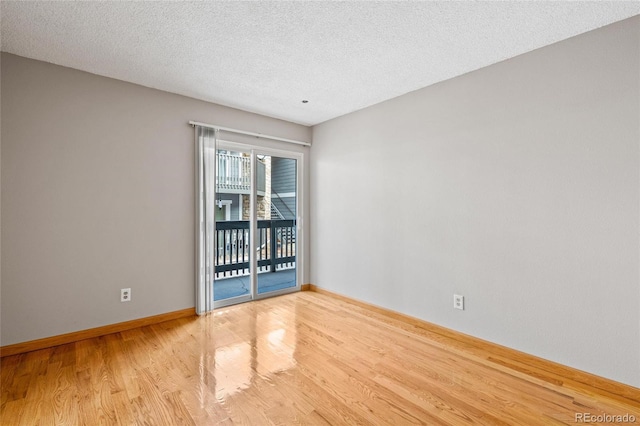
272 230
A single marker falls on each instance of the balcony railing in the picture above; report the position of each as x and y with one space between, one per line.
233 173
276 246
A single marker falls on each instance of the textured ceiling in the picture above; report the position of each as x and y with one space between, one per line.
266 57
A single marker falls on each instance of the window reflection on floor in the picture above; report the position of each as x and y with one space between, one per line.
272 351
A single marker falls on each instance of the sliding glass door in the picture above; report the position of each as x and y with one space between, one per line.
276 224
256 223
232 278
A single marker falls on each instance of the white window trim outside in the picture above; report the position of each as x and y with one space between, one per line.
227 208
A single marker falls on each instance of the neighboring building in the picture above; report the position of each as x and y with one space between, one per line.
276 187
233 185
276 213
283 188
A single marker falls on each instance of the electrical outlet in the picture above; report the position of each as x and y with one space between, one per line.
458 302
125 295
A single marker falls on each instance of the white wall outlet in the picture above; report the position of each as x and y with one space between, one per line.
125 295
458 302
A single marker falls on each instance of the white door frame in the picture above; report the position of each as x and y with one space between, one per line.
299 157
255 150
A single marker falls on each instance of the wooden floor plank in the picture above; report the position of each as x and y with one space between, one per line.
303 358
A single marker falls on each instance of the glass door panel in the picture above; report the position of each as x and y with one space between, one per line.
232 278
276 204
256 214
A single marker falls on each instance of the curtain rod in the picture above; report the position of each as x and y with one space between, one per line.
242 132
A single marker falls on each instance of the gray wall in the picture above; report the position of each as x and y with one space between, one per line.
283 175
0 197
97 195
516 186
283 183
236 204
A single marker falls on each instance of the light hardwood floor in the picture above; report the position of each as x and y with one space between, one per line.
304 358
